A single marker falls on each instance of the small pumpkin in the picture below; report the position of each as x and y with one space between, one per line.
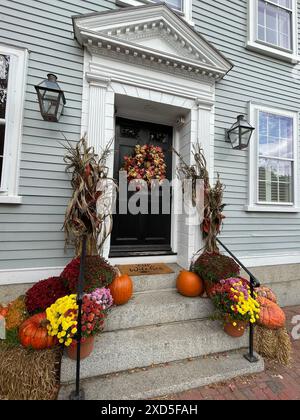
3 311
33 333
121 289
189 284
271 315
267 293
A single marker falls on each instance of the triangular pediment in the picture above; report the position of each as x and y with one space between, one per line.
155 33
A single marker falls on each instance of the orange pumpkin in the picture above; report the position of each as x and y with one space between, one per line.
189 284
267 293
121 289
271 315
3 311
33 333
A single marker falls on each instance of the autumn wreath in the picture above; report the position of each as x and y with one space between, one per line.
147 163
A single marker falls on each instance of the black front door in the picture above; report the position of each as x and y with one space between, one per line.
141 234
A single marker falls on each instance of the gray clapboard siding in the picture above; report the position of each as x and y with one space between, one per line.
254 77
31 234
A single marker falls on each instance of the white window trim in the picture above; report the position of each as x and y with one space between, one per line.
253 204
187 13
9 193
276 52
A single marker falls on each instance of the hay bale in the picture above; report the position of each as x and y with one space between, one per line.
29 375
273 344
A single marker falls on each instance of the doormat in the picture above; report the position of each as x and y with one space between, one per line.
145 269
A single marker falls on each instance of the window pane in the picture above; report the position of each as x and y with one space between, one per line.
285 193
2 134
3 99
286 135
285 171
285 3
284 22
1 162
275 181
261 12
272 16
275 136
271 36
4 68
275 23
175 4
261 33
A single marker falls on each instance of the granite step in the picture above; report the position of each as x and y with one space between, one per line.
118 351
157 307
164 380
157 281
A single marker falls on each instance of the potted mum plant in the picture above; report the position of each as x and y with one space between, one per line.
234 305
213 267
63 324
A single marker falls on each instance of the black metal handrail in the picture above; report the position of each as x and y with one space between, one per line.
79 394
253 284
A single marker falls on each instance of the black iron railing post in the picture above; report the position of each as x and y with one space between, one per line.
251 356
253 284
78 394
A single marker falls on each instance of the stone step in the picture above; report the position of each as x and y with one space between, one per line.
157 281
157 307
168 379
118 351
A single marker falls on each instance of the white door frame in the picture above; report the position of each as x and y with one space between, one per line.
104 78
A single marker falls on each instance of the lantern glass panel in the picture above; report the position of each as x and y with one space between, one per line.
51 99
234 136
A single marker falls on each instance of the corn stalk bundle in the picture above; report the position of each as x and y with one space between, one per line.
212 214
89 210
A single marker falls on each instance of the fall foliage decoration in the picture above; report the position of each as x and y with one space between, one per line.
121 289
267 293
44 293
213 267
189 284
271 315
34 333
3 311
98 273
213 216
89 210
16 313
233 301
147 164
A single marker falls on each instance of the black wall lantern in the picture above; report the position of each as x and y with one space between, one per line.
51 99
240 133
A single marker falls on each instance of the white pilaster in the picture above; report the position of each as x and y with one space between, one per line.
97 111
205 134
100 115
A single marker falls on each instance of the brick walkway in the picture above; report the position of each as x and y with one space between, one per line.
276 383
